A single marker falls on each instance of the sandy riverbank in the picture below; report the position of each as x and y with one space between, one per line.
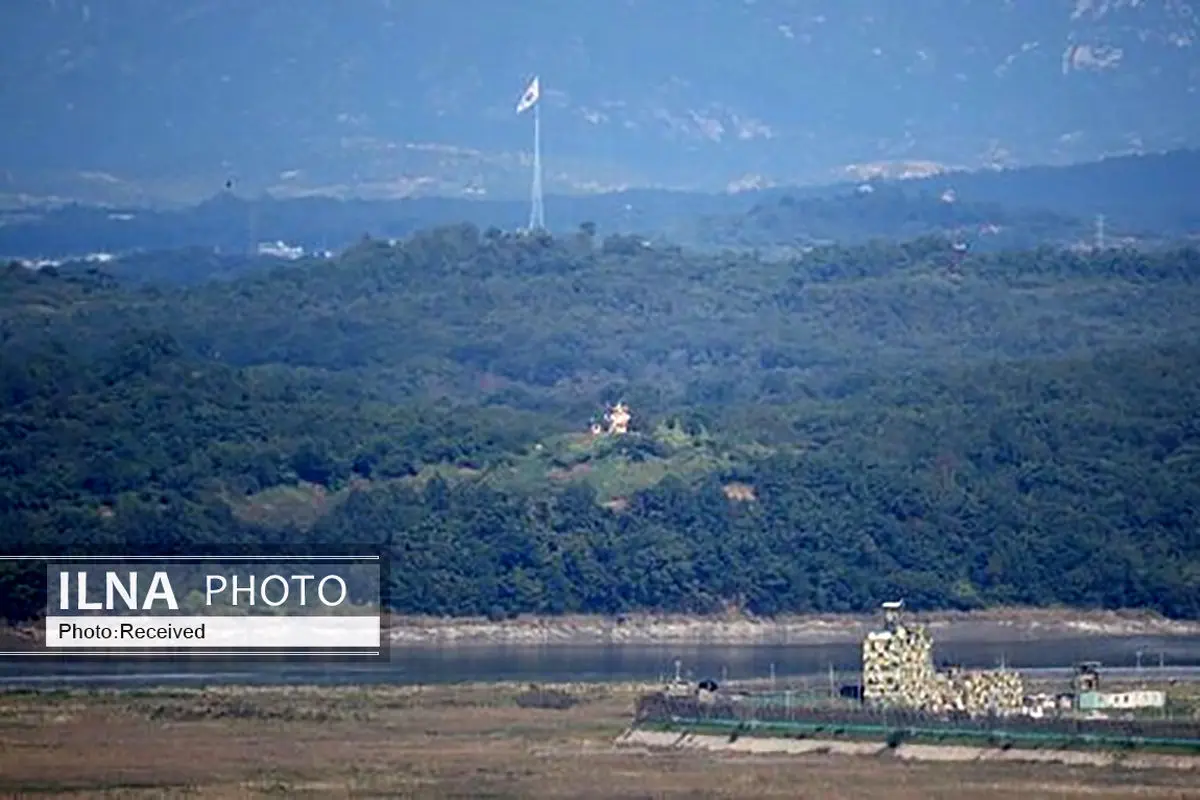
993 625
1007 625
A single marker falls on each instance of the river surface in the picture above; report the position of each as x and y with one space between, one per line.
1178 656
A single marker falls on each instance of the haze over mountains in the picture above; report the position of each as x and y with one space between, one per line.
153 100
1146 201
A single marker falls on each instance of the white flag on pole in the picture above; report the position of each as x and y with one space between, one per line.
530 97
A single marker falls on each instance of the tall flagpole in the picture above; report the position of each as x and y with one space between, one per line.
537 215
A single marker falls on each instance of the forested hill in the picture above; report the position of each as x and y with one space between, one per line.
959 429
890 212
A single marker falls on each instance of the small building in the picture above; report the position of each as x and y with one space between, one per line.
1049 705
1122 701
1040 705
618 419
1087 677
615 422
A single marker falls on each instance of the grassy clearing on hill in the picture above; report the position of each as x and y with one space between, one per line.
618 466
613 467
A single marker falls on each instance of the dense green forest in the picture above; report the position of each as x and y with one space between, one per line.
813 433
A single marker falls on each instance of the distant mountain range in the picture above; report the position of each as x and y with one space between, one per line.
1148 198
149 101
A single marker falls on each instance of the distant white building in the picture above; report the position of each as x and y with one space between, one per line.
280 250
1122 701
39 263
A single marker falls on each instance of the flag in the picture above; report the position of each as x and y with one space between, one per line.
530 97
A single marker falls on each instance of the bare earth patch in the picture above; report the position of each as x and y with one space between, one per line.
576 471
467 741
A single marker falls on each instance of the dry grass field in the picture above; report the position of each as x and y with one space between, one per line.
447 742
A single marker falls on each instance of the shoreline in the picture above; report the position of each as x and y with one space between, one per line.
643 629
999 625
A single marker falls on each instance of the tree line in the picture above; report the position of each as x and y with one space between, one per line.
962 430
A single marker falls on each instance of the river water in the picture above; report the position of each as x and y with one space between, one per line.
1178 657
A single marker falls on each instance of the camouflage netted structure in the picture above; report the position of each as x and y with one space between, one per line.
898 672
898 666
999 692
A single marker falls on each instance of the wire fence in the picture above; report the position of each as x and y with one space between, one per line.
794 715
